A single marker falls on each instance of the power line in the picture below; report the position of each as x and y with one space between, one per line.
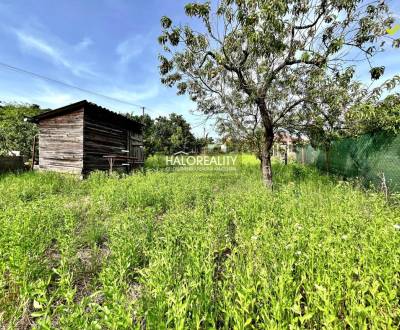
14 68
40 76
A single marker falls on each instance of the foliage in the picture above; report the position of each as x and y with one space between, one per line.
333 105
172 134
374 117
322 118
198 250
202 142
168 134
241 129
15 133
263 53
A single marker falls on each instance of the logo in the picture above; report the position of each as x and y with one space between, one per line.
182 161
180 153
393 30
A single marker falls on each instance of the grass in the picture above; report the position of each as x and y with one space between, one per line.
196 251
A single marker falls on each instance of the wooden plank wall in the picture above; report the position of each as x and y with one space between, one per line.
102 137
136 146
61 143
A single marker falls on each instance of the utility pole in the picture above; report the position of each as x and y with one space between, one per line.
143 111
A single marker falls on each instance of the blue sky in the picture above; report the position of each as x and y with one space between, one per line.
108 46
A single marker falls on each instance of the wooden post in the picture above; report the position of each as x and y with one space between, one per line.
33 152
111 161
128 148
286 153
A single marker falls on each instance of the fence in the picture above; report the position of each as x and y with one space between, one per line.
11 163
373 158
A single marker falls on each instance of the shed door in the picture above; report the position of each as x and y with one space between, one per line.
135 146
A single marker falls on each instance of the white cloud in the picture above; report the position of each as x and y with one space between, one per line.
54 99
29 42
31 91
49 96
84 44
130 48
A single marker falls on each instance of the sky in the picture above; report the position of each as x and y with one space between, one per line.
106 46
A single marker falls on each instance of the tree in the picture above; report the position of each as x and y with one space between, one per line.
172 134
258 49
243 122
166 134
333 103
242 128
372 116
15 133
202 142
322 118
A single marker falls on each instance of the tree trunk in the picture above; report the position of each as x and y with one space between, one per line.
266 166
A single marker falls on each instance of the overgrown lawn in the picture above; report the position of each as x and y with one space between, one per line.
196 250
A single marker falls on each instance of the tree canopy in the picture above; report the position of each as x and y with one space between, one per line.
168 134
263 54
372 117
15 133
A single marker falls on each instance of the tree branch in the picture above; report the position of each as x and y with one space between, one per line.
288 109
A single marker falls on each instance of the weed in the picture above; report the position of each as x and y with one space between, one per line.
197 250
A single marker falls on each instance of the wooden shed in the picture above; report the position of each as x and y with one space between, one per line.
81 137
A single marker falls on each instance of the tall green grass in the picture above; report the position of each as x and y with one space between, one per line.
161 250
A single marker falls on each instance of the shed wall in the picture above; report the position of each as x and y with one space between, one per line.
102 137
61 142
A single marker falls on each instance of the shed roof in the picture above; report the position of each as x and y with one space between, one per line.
89 106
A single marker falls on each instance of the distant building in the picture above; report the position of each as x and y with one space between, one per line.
79 137
285 143
215 148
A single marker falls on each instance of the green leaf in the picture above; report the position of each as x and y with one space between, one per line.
377 72
166 22
305 56
38 314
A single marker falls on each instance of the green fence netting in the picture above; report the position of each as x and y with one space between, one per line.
369 157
